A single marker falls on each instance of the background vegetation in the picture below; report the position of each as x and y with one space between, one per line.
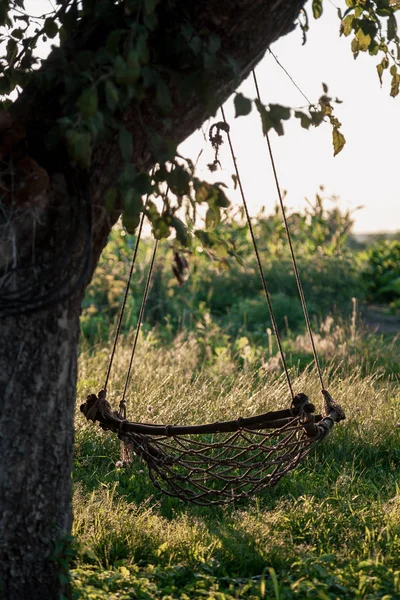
330 529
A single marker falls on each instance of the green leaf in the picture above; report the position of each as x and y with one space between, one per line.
133 66
179 181
125 143
88 102
50 28
265 120
213 217
338 140
161 228
143 184
305 120
364 40
111 199
18 34
182 233
221 200
394 90
379 68
130 222
392 27
80 147
132 205
277 114
347 25
243 105
317 8
112 95
317 117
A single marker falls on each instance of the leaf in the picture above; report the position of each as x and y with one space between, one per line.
325 88
346 26
87 102
379 68
182 233
111 199
50 28
338 140
125 143
317 8
277 114
143 184
80 147
179 181
132 205
221 200
112 95
364 40
265 120
243 105
18 34
355 47
394 90
305 120
391 27
213 217
161 228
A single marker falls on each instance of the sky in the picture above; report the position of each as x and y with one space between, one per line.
363 174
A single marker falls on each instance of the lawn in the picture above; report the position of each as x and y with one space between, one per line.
329 529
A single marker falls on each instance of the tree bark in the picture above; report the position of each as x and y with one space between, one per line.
37 385
38 354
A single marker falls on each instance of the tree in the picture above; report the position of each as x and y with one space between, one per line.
128 82
60 159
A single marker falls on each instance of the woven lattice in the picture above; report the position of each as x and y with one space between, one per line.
219 468
217 463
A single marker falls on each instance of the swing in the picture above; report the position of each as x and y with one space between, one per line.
217 463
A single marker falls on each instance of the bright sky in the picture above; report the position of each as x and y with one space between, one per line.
364 173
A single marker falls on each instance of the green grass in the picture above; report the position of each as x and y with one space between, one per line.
329 530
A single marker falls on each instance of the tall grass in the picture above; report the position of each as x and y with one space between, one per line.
330 529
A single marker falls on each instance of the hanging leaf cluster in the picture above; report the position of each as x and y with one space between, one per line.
373 27
273 116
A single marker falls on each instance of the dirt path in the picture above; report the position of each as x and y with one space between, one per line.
378 319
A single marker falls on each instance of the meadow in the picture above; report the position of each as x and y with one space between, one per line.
331 528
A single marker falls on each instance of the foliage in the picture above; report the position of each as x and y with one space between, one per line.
373 25
382 273
224 285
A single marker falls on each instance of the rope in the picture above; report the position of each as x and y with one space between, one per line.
122 404
123 306
263 280
294 261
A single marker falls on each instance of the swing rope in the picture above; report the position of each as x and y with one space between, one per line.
123 306
292 253
122 405
256 251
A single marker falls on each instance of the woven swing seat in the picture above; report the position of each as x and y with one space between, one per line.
217 463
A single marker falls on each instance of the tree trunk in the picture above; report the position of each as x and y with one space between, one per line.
38 354
37 386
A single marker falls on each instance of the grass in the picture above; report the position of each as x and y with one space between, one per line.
329 530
